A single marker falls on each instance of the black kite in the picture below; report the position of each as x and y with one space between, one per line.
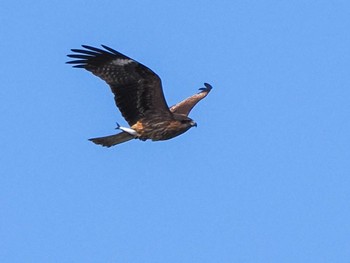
139 96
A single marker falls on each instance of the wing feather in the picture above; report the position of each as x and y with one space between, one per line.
137 89
185 106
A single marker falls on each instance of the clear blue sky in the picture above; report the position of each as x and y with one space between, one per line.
264 178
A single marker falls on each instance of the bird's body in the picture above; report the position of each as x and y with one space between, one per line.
139 96
162 128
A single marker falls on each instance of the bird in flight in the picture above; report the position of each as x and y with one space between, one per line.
139 96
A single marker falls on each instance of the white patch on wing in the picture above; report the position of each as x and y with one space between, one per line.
128 130
122 61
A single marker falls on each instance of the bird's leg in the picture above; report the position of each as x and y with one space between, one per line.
127 130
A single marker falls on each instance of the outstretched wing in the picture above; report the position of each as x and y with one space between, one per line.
185 106
136 88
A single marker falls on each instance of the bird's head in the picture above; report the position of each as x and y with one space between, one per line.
185 121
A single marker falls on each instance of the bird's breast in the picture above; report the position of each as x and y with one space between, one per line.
138 127
158 130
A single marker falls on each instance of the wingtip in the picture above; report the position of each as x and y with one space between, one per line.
109 49
208 87
86 46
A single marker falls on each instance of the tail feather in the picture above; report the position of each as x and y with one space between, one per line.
111 140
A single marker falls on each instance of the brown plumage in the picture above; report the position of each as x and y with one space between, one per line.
139 96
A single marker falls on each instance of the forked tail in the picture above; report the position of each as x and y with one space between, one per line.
111 140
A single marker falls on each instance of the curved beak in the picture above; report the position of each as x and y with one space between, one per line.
193 123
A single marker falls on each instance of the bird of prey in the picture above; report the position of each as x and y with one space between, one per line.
139 96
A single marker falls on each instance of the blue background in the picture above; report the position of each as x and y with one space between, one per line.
264 178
